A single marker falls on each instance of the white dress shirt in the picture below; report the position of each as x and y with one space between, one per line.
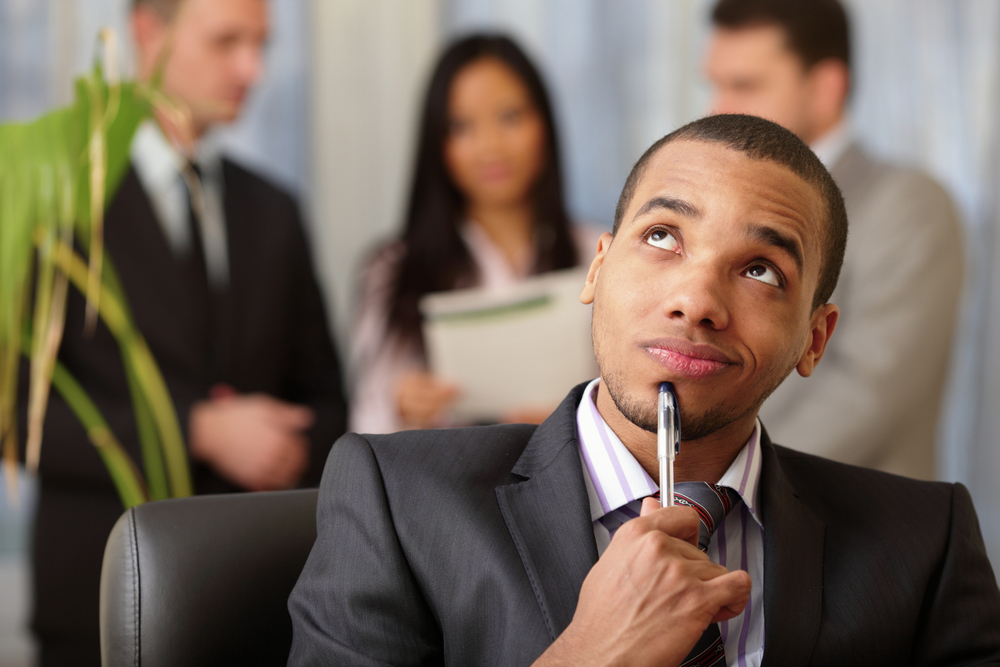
614 478
159 166
831 146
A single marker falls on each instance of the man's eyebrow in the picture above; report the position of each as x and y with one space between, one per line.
773 237
686 209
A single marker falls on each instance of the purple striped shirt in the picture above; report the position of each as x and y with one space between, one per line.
614 478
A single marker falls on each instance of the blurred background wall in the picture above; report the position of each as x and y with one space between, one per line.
334 119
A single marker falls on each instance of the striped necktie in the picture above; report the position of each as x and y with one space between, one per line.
712 503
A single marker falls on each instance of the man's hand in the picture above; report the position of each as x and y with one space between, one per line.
422 398
650 596
252 440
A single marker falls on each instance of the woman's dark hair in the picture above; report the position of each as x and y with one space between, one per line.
436 258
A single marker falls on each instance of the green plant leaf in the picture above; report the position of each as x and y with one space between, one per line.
57 176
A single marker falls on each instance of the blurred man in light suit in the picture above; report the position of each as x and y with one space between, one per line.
876 401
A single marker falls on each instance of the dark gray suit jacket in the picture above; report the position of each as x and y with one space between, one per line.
469 546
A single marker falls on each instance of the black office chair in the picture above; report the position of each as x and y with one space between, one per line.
204 580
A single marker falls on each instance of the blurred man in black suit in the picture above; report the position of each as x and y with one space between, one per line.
217 272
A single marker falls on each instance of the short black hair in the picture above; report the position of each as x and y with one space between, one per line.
761 139
815 29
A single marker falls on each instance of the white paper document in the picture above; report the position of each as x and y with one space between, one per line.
522 346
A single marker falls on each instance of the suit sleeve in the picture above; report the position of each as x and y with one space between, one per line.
356 601
961 624
887 360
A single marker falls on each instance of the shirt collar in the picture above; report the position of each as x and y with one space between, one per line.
159 163
616 478
156 161
831 146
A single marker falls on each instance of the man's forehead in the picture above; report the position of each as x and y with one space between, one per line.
762 37
695 164
223 14
700 172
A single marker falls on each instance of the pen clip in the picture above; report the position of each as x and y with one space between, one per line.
668 440
669 426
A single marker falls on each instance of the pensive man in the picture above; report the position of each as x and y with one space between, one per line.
878 394
221 286
513 545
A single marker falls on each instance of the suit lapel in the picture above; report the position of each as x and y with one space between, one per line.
548 515
153 279
225 331
793 568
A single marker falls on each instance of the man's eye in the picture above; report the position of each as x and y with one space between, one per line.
663 239
765 274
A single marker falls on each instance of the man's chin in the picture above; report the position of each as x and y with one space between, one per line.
227 114
218 113
642 413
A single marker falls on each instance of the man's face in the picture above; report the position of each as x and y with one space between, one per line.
708 284
214 55
753 72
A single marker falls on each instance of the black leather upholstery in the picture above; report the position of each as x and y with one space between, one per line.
204 580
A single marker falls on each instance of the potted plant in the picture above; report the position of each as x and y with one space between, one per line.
57 174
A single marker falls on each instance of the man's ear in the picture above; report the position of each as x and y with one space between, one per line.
821 327
830 81
587 295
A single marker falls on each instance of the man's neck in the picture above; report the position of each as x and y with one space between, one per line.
831 143
180 130
703 460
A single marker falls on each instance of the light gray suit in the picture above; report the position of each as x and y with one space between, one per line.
874 399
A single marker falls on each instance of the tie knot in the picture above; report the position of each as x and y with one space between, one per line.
195 168
712 503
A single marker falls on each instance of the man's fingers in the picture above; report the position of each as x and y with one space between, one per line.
299 417
289 416
679 522
284 464
730 592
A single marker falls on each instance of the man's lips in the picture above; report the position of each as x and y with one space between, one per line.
687 359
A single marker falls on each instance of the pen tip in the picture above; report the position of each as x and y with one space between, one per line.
666 386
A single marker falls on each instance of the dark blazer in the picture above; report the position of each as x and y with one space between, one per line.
469 546
268 333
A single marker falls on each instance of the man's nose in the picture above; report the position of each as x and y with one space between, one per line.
250 62
697 295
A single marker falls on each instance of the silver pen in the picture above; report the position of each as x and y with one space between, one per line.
668 440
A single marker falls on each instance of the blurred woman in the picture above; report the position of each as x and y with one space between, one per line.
486 209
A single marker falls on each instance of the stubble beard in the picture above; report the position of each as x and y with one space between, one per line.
641 410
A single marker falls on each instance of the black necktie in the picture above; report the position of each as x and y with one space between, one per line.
712 503
198 296
196 254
